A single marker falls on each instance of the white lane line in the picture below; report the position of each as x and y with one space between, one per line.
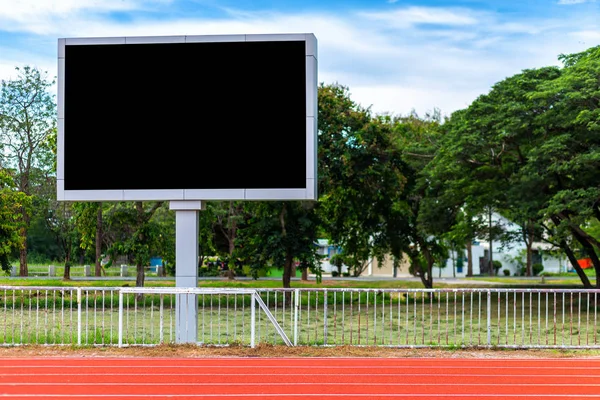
94 374
337 368
319 395
374 384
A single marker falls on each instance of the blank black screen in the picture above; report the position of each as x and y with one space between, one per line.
185 116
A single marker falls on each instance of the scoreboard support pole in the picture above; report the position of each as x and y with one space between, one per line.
186 269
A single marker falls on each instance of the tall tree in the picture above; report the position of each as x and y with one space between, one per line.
132 232
27 118
11 204
360 174
88 217
61 222
570 157
281 233
229 216
417 139
529 149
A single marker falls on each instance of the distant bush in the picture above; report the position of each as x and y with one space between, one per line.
506 272
497 266
537 268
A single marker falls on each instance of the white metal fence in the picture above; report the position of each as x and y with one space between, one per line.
504 318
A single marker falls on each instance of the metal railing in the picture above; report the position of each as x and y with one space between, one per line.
451 318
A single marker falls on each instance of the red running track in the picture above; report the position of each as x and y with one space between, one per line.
298 378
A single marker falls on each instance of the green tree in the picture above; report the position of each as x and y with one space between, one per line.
61 222
279 233
417 140
529 150
89 217
131 230
570 157
11 204
360 173
228 218
27 118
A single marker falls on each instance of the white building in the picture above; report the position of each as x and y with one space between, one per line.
507 254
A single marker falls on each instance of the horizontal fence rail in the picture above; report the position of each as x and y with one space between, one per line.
450 318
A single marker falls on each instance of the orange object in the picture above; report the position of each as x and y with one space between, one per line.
585 262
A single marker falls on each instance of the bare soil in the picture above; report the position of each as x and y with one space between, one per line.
192 351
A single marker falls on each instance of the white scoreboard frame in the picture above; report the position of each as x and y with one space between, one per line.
183 194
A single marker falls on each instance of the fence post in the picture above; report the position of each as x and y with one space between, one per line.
489 318
79 301
162 318
253 320
120 319
296 310
325 317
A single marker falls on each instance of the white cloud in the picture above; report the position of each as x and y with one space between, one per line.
38 16
12 58
406 17
404 99
22 9
395 67
587 35
569 2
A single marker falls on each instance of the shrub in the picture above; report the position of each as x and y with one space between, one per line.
497 266
537 268
506 272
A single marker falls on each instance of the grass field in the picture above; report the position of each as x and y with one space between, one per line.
371 283
339 317
369 318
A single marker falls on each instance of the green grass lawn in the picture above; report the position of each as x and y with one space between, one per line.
479 281
37 272
346 318
538 281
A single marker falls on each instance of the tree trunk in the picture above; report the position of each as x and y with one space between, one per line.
23 270
453 252
139 278
571 256
287 270
67 272
491 236
304 274
591 253
140 275
426 276
528 268
469 258
529 236
429 277
99 240
231 261
572 259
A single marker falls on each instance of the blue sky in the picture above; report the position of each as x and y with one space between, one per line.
394 55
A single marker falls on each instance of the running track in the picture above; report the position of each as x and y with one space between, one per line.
298 378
